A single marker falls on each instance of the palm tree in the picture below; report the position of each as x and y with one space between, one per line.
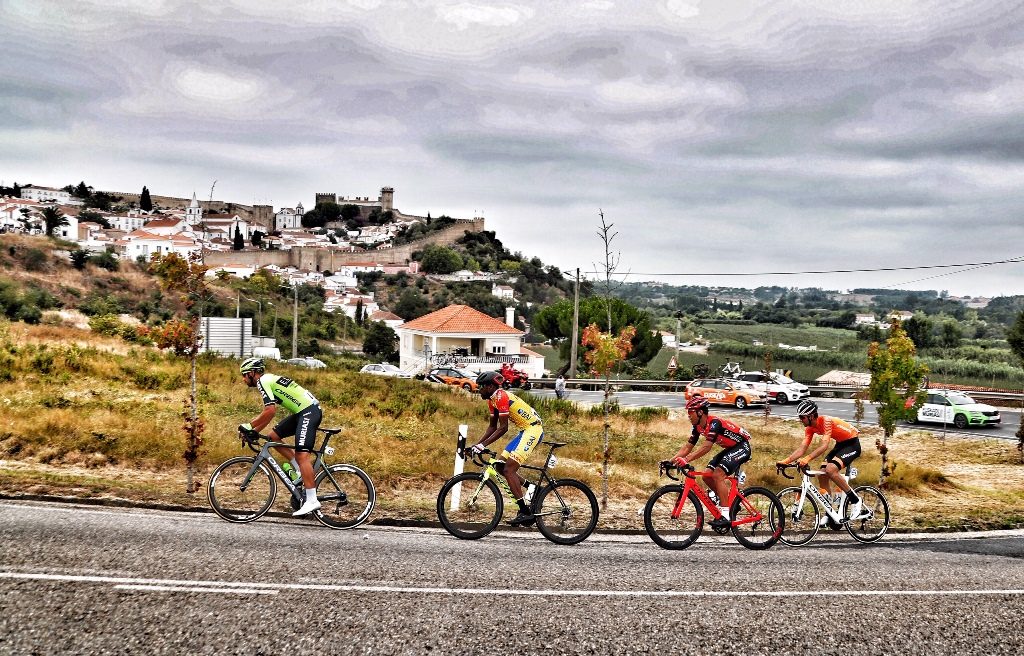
54 219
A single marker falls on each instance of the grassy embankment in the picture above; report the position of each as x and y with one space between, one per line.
88 417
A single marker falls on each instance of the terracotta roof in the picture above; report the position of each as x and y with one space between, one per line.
461 319
384 315
161 223
532 354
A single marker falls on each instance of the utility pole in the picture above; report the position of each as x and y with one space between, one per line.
238 304
295 321
575 326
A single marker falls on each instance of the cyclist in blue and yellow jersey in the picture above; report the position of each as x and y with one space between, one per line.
302 422
503 408
735 443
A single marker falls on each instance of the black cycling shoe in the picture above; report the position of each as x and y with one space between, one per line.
721 524
526 518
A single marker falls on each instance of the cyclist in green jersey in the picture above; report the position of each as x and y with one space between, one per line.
303 420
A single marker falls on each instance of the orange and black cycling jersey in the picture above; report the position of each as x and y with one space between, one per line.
831 427
721 432
519 412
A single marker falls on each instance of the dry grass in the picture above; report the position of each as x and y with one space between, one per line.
79 416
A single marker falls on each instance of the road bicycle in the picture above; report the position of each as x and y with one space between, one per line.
243 489
803 515
674 514
470 506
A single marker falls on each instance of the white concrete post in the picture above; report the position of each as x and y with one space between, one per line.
460 463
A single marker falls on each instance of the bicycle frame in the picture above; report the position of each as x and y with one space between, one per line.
491 472
734 492
318 464
808 487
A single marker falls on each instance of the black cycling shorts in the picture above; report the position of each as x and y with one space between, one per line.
729 460
846 452
302 425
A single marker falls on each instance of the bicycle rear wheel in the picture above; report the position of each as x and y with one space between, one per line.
478 509
234 502
801 523
758 518
346 496
873 521
566 511
668 529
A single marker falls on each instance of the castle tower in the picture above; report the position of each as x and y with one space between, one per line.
194 213
263 215
387 199
326 198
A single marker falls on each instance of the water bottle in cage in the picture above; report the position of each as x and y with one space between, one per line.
742 479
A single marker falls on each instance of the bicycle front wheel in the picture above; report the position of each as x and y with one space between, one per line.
873 521
469 507
346 496
758 518
673 522
566 511
236 496
801 523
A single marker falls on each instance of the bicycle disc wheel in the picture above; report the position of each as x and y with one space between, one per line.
758 518
670 532
566 511
233 502
346 496
801 519
873 521
478 509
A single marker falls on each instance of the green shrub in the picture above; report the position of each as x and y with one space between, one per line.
42 361
645 415
106 324
35 260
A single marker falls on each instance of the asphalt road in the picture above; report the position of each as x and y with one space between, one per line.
86 580
842 408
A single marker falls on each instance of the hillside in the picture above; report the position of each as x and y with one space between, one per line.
92 417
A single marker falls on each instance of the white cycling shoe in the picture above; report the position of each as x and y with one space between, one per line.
857 512
309 506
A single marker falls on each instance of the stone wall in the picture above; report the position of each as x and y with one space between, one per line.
323 259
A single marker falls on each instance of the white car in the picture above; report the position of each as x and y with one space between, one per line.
779 388
958 409
384 369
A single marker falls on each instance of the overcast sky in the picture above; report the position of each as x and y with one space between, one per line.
717 136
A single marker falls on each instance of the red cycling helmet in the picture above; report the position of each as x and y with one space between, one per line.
697 403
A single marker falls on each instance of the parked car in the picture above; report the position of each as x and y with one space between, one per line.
454 377
308 362
725 392
384 369
957 408
778 388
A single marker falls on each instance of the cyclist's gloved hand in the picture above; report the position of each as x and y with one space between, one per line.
245 429
476 449
782 463
679 462
803 462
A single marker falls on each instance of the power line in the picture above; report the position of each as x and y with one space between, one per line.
1019 258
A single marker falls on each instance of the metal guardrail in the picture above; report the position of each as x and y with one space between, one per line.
816 390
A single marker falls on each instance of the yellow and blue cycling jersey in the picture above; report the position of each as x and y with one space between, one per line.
522 415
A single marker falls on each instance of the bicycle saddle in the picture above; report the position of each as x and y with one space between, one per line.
555 445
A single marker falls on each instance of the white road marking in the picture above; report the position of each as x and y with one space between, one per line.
191 588
273 588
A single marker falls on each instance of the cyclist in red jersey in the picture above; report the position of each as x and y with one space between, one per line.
735 443
845 450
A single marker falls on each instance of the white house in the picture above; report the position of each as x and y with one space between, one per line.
503 292
48 194
864 320
390 320
482 342
140 243
69 231
164 226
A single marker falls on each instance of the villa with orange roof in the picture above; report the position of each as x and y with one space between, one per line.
480 342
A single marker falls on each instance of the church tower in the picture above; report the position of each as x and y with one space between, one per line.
194 213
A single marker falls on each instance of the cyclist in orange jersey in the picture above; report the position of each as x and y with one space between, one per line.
846 449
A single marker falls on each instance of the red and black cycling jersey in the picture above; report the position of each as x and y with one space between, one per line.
722 432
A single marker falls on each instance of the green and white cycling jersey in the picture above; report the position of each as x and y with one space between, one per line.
283 390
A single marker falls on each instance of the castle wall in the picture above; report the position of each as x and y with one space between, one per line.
323 259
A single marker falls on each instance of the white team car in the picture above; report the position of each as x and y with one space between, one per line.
779 388
956 408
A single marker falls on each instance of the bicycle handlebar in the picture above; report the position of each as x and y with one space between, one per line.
781 469
666 467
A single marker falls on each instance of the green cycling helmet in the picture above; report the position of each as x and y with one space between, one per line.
252 364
